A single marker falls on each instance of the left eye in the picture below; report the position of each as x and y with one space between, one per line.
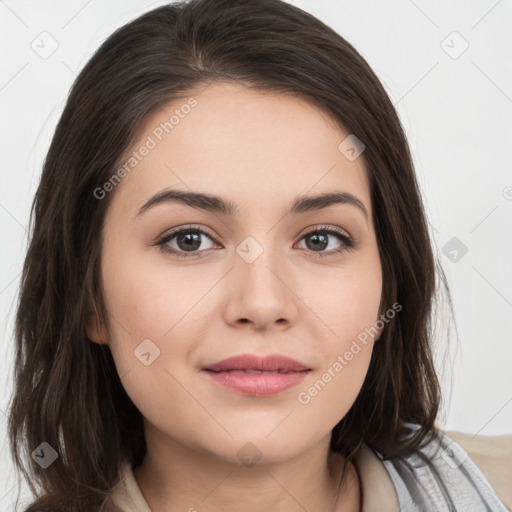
188 241
319 238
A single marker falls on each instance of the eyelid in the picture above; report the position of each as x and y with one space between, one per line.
323 227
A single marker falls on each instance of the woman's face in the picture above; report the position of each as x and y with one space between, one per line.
261 281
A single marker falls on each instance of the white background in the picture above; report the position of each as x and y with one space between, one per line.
457 113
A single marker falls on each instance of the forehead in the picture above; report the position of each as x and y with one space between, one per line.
246 145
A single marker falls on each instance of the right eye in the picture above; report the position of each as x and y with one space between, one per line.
188 240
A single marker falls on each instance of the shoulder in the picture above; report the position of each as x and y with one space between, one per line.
440 476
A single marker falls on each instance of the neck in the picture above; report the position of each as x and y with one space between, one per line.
173 476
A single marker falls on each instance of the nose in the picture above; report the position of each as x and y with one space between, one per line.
263 290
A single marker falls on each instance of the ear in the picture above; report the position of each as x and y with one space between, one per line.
96 332
379 318
379 329
377 338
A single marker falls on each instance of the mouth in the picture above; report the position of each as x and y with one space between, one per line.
257 383
254 376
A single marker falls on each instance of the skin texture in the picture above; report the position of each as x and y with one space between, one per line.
261 151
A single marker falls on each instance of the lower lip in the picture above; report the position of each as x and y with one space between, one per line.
258 385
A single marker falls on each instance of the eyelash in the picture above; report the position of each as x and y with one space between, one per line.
348 242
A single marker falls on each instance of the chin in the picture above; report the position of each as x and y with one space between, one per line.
248 450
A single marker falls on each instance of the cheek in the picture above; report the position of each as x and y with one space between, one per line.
346 347
348 305
148 300
346 302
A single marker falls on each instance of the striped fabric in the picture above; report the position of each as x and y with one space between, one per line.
441 477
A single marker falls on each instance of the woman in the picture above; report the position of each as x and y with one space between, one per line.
227 297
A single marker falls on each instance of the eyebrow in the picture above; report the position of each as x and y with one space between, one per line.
211 203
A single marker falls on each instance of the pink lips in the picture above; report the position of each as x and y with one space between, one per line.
258 376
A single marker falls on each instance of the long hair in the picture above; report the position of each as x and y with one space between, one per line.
67 392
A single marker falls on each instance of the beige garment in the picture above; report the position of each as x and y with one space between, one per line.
493 456
126 496
378 491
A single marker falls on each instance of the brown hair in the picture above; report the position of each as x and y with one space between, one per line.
67 389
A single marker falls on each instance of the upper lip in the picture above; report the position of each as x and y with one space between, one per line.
273 362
